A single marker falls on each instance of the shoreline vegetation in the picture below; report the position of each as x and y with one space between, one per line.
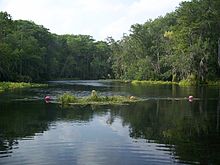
95 99
5 86
182 45
181 83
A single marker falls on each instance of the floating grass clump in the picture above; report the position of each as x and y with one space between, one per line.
94 99
67 98
4 86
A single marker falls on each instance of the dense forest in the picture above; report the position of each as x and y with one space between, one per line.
182 45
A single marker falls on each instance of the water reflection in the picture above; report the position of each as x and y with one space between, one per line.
152 132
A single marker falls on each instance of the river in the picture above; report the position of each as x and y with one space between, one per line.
165 129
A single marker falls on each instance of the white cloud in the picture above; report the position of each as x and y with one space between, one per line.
99 18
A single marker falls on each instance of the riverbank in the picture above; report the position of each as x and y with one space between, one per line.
149 82
4 86
181 83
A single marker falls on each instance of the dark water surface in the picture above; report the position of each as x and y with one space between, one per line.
165 129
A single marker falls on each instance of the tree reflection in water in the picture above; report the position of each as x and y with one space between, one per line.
192 128
189 130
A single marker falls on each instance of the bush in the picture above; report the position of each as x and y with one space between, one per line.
187 82
23 78
214 83
15 85
94 99
94 96
149 82
67 98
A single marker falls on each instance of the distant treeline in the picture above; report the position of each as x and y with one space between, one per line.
29 52
181 45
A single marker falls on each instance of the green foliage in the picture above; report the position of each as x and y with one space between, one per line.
14 85
173 47
187 83
169 48
29 52
94 98
67 98
213 83
144 82
190 81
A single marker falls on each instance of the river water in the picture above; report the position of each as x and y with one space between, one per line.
165 129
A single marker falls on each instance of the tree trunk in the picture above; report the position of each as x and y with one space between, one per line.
219 52
218 114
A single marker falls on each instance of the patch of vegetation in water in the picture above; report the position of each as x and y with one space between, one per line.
149 82
185 82
4 86
95 99
67 98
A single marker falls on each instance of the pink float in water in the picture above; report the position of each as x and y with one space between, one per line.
47 98
190 98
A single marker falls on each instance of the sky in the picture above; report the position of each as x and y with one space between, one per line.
98 18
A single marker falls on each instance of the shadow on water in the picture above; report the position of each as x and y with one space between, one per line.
188 131
22 120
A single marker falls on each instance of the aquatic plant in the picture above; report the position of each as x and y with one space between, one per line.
149 82
94 98
67 98
214 83
4 86
187 83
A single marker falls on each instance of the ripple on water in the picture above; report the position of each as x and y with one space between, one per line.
104 136
42 150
